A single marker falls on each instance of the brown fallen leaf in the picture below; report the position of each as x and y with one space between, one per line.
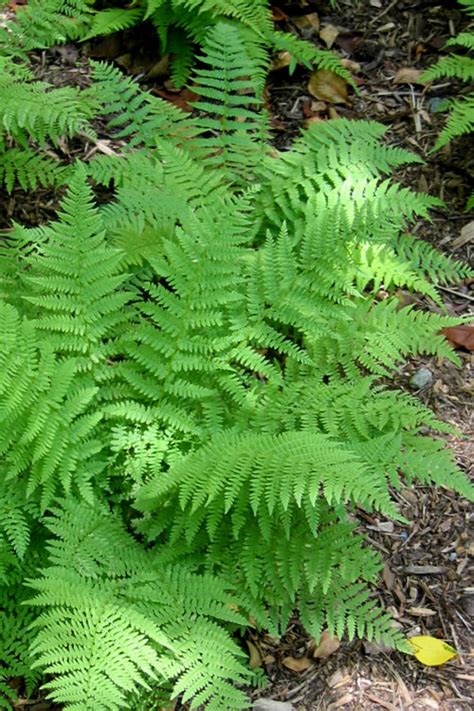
420 611
351 65
180 99
307 22
460 336
255 658
280 61
375 647
328 34
327 645
328 86
466 236
297 664
388 577
407 75
278 15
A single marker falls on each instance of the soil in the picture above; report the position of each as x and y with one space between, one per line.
428 580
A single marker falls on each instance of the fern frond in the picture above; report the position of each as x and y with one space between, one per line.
136 623
232 132
75 281
42 113
136 113
26 167
454 66
105 22
460 121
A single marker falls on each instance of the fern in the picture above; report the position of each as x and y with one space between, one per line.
190 392
137 623
33 112
461 116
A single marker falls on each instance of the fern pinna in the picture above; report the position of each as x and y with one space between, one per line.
190 395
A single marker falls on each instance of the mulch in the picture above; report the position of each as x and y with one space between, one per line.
428 579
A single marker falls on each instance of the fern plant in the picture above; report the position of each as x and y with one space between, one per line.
181 25
190 394
457 66
33 117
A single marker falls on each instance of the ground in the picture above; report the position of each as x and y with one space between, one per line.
428 582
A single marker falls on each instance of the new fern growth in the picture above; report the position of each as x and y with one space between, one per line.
189 392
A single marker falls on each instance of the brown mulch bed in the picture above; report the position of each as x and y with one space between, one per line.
428 580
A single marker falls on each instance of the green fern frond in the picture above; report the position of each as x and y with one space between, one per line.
28 169
105 22
136 623
460 121
454 66
41 24
139 116
304 53
232 132
75 281
40 112
463 39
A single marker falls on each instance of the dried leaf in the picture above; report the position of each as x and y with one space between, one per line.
466 236
460 336
305 22
328 86
327 645
407 75
297 664
278 14
374 648
352 66
388 577
255 658
421 612
180 99
328 34
431 651
160 68
282 60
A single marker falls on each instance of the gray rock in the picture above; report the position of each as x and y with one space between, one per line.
271 705
423 378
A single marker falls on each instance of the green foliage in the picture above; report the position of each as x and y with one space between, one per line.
457 66
190 403
181 25
35 116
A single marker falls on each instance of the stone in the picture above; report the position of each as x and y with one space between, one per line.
423 378
272 705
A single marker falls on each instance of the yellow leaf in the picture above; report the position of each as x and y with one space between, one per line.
431 651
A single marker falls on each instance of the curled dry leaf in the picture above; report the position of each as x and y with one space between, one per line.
460 336
407 75
255 658
328 34
327 645
466 235
297 664
328 86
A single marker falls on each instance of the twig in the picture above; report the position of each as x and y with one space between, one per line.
456 293
384 12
